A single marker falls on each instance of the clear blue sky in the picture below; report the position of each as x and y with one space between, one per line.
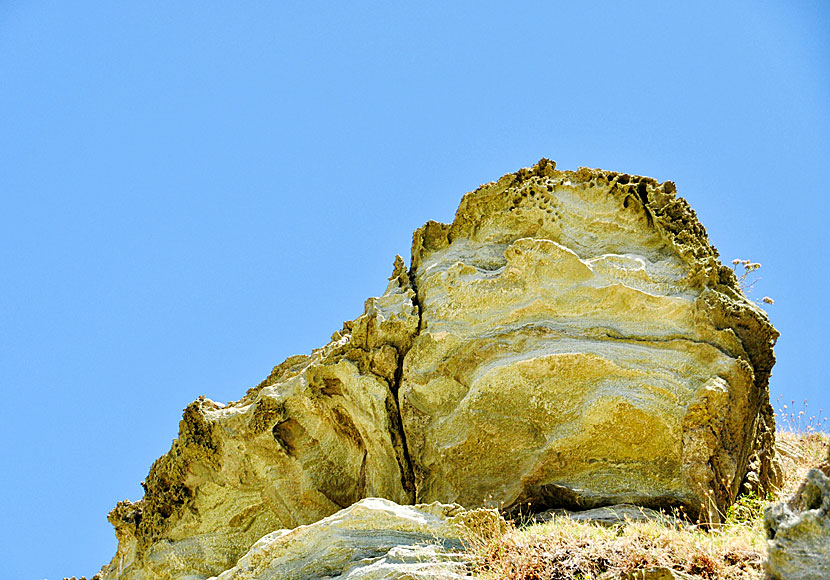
189 194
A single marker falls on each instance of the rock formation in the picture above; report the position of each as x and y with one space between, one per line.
320 433
570 341
581 345
613 515
799 530
375 539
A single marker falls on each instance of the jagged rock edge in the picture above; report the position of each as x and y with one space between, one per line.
672 217
677 223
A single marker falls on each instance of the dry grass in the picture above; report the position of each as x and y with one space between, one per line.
799 453
563 549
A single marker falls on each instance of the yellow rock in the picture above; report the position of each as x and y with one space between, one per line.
375 539
321 433
569 341
581 345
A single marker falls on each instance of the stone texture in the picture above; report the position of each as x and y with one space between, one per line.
321 433
799 530
569 341
375 539
582 345
614 515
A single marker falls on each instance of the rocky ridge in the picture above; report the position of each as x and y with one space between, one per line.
571 340
319 434
582 345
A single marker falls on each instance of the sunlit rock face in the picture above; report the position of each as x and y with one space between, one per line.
570 341
581 345
321 433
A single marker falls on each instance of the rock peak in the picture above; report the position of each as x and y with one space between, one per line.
570 340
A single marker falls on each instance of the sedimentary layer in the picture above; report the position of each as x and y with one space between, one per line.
320 433
571 340
582 345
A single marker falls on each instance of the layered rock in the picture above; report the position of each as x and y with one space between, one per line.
321 433
374 539
799 530
581 345
570 341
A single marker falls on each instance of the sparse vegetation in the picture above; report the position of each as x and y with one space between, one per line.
563 549
747 278
800 421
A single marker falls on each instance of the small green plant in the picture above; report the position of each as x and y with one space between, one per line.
747 509
745 281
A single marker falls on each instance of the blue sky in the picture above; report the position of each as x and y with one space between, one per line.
191 192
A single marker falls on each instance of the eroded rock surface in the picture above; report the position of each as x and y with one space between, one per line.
799 530
614 515
569 341
321 433
375 539
582 345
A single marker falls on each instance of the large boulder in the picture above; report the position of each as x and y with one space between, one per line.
375 539
799 530
570 341
582 345
321 433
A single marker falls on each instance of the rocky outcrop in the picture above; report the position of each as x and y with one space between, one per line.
321 433
375 539
569 341
799 530
581 345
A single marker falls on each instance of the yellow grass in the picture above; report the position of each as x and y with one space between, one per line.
564 549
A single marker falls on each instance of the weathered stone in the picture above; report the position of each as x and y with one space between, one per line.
321 433
375 539
799 530
582 345
787 450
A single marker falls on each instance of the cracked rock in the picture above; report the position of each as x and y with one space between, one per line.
570 341
581 345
